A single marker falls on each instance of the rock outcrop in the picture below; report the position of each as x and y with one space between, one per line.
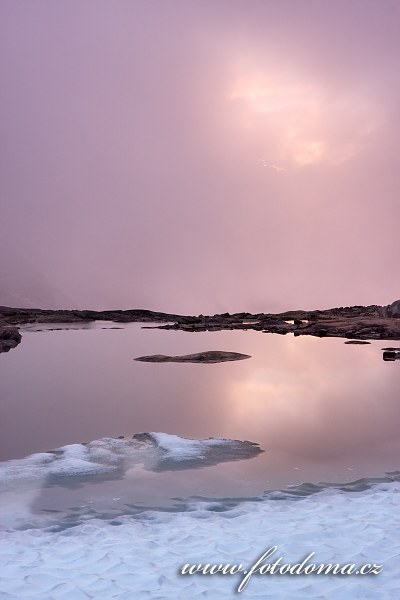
9 338
212 356
392 310
351 322
39 315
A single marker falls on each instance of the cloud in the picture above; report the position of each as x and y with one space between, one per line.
132 159
302 123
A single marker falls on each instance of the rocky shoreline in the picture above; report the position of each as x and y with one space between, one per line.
353 323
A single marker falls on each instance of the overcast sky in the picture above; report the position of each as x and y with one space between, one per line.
199 155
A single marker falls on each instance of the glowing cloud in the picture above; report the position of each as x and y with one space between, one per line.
300 124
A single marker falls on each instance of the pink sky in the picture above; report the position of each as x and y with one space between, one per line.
199 156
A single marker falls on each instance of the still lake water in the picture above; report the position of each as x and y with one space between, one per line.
321 410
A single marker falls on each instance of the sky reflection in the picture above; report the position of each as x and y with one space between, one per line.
318 406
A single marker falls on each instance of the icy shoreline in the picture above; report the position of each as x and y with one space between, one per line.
140 557
128 550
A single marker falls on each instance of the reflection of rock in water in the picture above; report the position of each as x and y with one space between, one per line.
391 354
212 356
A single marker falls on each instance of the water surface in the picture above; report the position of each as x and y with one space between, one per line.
321 410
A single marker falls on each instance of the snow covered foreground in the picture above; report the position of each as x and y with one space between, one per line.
133 558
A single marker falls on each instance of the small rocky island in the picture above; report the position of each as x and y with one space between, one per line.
210 357
351 322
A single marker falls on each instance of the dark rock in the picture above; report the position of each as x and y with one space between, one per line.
351 322
358 342
391 310
38 315
391 355
9 338
212 356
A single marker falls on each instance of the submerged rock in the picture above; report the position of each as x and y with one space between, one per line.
9 338
212 356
